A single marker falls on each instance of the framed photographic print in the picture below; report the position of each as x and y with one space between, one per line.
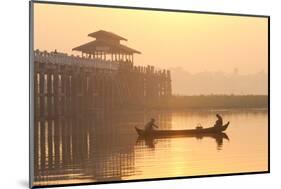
121 94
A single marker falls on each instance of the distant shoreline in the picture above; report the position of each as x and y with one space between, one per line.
216 102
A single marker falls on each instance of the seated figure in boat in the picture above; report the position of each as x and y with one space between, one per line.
149 126
219 121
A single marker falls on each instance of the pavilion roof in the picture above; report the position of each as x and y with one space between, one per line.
105 46
106 35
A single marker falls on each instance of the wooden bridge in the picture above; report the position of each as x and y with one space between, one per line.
103 78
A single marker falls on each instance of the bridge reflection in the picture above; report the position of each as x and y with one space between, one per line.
81 148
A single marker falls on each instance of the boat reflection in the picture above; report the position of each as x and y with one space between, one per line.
150 141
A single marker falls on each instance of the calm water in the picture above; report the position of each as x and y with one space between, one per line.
108 149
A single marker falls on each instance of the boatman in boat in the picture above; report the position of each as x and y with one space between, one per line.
219 121
149 126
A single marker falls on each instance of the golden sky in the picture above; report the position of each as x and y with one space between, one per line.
194 42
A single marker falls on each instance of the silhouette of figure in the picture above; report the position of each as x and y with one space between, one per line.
219 121
149 126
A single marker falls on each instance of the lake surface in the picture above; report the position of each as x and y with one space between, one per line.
106 147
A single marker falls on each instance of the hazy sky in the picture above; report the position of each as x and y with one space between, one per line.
195 42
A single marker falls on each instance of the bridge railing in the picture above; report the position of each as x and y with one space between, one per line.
63 58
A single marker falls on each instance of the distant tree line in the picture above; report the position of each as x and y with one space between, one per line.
215 102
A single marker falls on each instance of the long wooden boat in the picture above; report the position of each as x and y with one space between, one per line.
150 142
199 131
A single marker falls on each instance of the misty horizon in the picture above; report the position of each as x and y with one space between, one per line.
218 82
